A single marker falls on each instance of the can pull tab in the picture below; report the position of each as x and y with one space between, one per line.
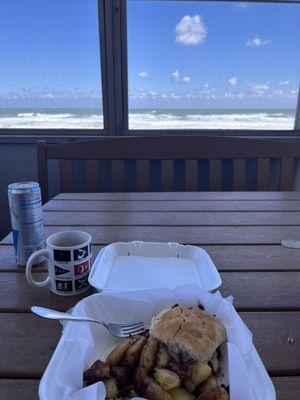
174 247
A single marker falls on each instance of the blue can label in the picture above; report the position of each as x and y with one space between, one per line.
26 219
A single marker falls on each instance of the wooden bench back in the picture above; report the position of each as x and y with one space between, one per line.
199 156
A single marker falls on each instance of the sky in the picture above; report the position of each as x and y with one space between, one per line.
181 54
217 55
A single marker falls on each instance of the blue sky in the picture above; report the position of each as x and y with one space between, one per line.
196 54
180 54
49 53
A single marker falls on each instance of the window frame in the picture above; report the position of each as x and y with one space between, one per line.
112 23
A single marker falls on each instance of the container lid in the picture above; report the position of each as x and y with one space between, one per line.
148 265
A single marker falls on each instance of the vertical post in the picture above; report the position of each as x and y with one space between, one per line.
42 168
107 64
297 116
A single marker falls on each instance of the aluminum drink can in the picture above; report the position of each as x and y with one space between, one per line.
26 215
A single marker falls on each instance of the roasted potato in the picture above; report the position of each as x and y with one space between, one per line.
166 378
197 372
133 353
122 374
180 393
148 355
117 354
209 384
111 388
162 357
153 391
215 394
98 371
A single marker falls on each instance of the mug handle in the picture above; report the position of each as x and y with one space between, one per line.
31 281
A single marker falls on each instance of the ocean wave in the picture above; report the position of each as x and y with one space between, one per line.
153 119
243 120
63 120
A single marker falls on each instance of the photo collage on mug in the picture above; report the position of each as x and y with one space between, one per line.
72 269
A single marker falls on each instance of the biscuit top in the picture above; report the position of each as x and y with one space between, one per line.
189 333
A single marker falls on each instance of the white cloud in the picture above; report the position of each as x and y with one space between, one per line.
175 76
259 90
190 30
186 79
284 82
242 5
257 42
144 74
233 81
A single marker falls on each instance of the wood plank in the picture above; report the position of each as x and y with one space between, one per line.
287 387
239 174
197 218
183 234
66 175
142 176
23 296
92 175
287 174
8 262
199 235
118 175
226 258
191 175
178 147
262 179
221 196
262 290
25 389
29 335
254 258
279 356
271 332
215 174
167 175
168 205
251 291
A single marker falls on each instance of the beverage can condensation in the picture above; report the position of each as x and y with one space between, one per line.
26 215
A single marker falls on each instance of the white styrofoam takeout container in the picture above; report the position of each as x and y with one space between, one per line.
82 343
149 265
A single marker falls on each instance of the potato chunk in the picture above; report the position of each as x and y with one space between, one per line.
162 357
180 393
166 378
117 354
111 388
147 359
133 353
98 371
197 372
155 392
215 394
209 384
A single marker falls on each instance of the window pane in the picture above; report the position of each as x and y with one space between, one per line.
50 64
212 65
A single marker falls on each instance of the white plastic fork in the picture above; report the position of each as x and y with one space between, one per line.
117 330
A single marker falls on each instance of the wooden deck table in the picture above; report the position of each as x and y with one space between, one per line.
240 230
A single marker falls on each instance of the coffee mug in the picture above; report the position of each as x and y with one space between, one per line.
69 260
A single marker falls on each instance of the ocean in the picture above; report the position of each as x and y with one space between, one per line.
279 119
